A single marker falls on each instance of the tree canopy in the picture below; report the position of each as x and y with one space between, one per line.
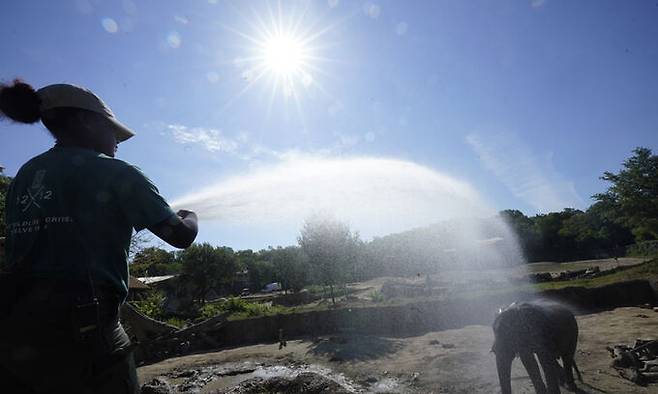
331 248
632 198
207 267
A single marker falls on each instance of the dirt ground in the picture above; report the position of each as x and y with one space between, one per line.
450 361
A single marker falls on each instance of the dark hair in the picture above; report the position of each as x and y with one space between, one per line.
19 102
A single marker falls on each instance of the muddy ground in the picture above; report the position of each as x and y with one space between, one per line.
450 361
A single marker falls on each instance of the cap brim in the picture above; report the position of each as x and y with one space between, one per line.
121 131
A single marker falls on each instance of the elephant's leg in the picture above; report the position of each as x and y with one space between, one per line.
530 364
561 374
549 365
568 363
504 366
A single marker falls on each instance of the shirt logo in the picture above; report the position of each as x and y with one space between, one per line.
35 194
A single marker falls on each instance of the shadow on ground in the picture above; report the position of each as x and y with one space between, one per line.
354 347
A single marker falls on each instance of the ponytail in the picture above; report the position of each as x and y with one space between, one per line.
19 102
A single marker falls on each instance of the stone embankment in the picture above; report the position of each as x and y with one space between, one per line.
408 319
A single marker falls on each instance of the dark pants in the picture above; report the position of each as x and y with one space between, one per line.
41 353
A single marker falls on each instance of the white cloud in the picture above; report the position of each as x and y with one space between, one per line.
210 139
529 176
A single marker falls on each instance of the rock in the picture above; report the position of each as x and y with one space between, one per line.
371 379
434 342
448 346
307 382
157 386
186 374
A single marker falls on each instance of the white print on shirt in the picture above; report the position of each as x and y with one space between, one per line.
36 194
33 226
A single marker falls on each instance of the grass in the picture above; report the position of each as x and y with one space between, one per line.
237 309
376 296
647 270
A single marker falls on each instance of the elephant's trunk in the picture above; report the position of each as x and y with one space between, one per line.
504 366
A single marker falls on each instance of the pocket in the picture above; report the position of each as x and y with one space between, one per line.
116 340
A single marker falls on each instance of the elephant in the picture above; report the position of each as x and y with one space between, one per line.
546 329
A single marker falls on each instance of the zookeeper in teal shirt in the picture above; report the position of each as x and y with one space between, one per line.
70 214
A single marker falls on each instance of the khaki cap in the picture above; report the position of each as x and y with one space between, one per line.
71 96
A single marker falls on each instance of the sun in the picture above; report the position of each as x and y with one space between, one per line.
283 54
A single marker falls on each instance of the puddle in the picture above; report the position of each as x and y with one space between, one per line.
386 385
249 377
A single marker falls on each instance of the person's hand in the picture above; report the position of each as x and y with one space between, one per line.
184 214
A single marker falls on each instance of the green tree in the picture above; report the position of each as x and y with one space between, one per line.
525 230
331 249
4 186
206 267
153 261
633 195
290 267
261 272
553 245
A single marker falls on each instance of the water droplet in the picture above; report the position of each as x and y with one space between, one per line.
247 74
181 19
84 7
110 25
307 80
212 77
332 3
174 40
372 10
129 7
369 136
401 28
288 90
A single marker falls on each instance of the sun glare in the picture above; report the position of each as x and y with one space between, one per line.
283 54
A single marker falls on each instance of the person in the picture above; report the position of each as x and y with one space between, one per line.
70 215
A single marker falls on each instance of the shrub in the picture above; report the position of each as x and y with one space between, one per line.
376 296
643 249
177 322
152 305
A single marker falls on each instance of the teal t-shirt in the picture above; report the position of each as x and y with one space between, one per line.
72 208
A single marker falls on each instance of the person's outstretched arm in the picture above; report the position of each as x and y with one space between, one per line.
179 230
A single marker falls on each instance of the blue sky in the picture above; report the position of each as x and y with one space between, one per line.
525 103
